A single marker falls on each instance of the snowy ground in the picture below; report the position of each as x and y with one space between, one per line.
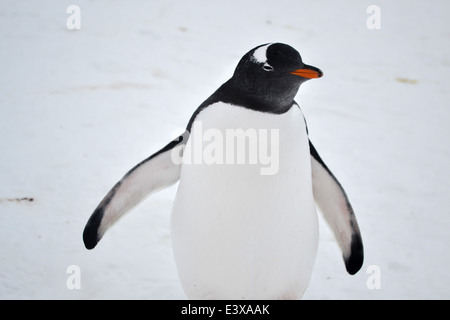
78 108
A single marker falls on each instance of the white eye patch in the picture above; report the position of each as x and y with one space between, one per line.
260 54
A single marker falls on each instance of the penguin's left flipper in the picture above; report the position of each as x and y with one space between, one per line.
154 173
335 207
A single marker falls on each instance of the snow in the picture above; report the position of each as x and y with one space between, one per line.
79 108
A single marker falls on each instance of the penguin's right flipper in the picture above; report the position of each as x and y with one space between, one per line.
336 208
154 173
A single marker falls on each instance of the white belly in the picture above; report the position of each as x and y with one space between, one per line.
240 232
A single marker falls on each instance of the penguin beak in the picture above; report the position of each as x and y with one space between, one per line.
308 72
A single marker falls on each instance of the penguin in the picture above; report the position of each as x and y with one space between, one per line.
237 231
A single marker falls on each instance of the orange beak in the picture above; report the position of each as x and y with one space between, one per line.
310 73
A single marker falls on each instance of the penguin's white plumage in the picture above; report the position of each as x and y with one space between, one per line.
238 233
259 55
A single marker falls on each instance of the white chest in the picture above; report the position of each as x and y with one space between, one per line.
244 223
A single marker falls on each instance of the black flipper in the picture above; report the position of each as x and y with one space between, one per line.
335 207
154 173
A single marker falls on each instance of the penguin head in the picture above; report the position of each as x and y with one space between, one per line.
271 74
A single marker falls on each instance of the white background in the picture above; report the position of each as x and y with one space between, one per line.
79 108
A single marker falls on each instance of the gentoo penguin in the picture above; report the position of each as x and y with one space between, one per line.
244 222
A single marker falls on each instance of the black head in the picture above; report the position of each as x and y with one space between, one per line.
268 77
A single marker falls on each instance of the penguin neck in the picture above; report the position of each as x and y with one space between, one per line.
267 100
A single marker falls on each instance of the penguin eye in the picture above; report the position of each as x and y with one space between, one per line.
267 67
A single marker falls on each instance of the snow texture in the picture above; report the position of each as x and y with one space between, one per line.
79 108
